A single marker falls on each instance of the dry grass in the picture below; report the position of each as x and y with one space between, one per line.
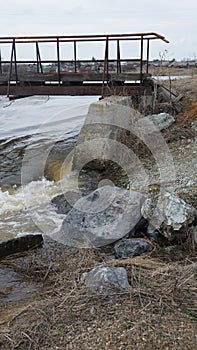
160 312
189 114
186 86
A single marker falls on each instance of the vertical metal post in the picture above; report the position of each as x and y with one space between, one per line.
118 57
15 61
0 63
38 59
58 61
1 70
10 70
107 56
106 62
37 56
106 65
75 56
147 55
141 58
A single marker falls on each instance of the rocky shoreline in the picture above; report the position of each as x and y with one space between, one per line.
127 290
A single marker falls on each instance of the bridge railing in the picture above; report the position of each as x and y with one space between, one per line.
57 66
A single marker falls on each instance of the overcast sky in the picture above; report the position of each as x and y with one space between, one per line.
175 19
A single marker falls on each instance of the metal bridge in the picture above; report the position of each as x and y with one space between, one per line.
55 66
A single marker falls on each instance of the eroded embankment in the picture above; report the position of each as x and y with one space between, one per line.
160 311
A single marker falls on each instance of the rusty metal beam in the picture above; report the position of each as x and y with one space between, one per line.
87 90
71 61
78 40
70 78
131 36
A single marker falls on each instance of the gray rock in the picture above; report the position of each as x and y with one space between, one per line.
102 217
106 280
170 215
64 202
132 247
20 244
161 120
195 235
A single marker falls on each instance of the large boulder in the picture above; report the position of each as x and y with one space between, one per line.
64 202
172 216
161 120
106 280
104 216
132 247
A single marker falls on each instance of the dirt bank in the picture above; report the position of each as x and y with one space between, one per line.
160 312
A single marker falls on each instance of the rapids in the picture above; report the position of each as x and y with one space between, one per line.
36 134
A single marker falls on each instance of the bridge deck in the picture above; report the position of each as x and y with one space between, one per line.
75 84
40 78
84 90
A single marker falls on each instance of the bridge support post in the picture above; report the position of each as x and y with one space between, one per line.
38 59
118 57
13 57
141 59
147 55
0 63
58 61
75 55
106 65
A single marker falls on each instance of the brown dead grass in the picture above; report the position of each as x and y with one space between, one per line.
189 114
182 128
169 72
185 86
160 312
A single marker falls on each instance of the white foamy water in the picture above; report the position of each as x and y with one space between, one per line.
24 198
27 209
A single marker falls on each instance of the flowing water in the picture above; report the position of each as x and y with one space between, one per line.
37 135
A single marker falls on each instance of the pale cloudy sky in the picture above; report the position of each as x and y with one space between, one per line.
175 19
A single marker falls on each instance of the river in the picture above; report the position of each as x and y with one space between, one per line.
36 136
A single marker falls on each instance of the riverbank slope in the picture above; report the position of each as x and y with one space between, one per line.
159 312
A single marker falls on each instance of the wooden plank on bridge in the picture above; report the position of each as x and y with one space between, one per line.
73 77
86 89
